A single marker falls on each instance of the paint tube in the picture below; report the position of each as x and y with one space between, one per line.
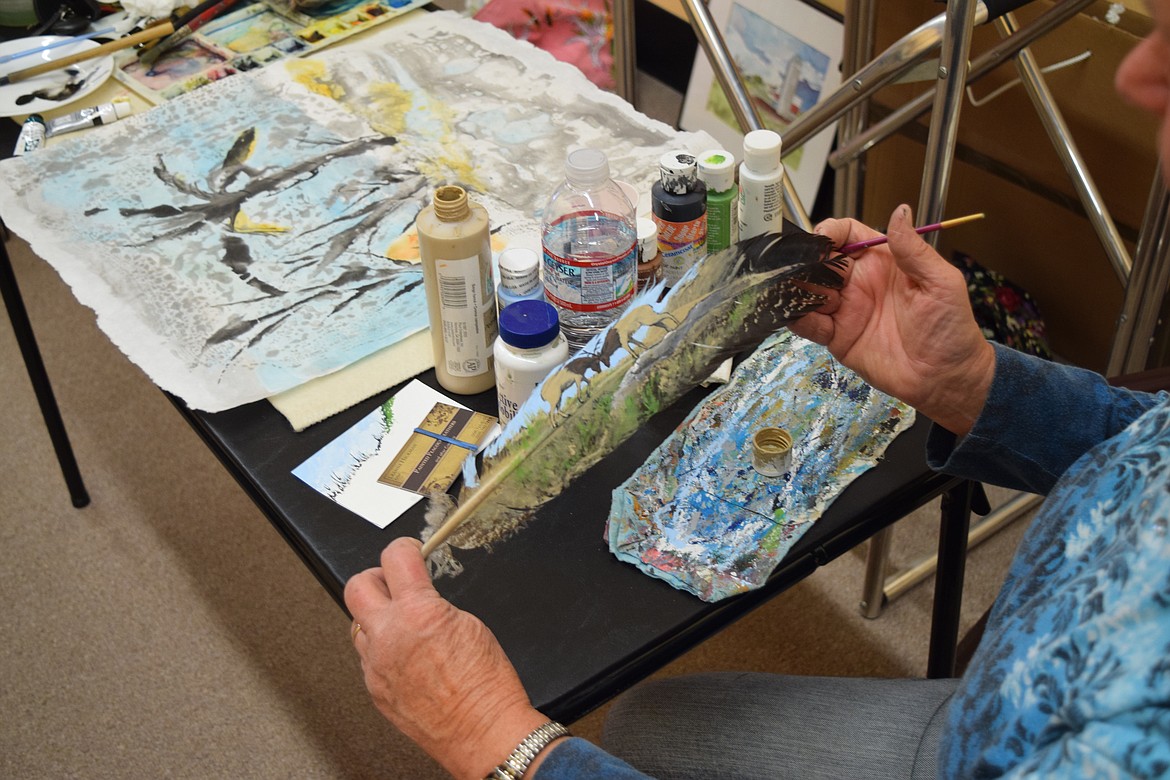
32 135
90 117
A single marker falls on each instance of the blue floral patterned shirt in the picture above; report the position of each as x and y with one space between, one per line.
1072 676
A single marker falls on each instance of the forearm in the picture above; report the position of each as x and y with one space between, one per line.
1038 419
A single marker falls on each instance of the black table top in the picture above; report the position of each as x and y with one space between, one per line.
579 625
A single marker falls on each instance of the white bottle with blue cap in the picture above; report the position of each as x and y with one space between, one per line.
530 345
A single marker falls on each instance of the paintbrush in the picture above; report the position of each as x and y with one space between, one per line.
185 26
55 44
149 34
879 240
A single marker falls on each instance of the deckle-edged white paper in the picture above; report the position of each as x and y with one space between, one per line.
257 233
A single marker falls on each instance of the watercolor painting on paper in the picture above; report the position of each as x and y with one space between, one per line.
788 53
237 257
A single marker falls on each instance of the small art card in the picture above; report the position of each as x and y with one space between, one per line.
348 469
435 452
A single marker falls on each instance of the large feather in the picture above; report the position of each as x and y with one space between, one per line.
650 357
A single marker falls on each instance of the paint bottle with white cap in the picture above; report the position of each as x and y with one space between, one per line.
649 261
761 185
519 269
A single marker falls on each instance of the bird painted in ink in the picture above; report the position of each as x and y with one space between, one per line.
238 257
235 161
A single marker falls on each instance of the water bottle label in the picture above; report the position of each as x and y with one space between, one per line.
588 282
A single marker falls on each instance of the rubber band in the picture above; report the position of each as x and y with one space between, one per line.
447 439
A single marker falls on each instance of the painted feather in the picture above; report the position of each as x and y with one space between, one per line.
655 353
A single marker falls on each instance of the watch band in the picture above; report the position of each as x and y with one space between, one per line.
517 763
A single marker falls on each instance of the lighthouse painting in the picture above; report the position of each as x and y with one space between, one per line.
788 54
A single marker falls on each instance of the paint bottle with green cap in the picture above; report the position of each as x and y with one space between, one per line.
717 171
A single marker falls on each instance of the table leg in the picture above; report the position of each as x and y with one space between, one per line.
21 326
948 582
873 591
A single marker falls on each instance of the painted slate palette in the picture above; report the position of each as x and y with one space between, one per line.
698 515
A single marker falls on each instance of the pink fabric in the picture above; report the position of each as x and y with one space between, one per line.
579 32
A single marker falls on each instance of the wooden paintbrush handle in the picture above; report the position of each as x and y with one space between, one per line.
149 34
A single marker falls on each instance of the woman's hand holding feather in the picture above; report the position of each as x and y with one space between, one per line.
903 321
434 671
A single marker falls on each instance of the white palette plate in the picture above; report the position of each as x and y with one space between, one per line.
49 90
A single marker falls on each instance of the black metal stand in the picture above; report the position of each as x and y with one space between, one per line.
21 326
948 589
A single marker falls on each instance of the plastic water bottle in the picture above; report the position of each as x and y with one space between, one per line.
589 239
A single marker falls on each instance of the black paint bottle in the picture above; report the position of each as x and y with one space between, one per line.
679 204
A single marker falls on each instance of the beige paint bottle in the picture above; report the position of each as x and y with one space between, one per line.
455 248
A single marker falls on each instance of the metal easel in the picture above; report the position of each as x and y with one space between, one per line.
1145 279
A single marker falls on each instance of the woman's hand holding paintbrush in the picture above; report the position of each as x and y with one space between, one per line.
879 240
903 322
149 34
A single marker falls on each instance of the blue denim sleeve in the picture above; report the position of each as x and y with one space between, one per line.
1040 417
579 759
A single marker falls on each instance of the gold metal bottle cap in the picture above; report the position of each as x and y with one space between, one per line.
772 451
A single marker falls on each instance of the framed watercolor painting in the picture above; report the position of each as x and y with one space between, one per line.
788 53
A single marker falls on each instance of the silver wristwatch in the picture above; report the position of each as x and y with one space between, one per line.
517 763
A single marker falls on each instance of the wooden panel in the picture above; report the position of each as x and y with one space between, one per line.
1034 242
1016 177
